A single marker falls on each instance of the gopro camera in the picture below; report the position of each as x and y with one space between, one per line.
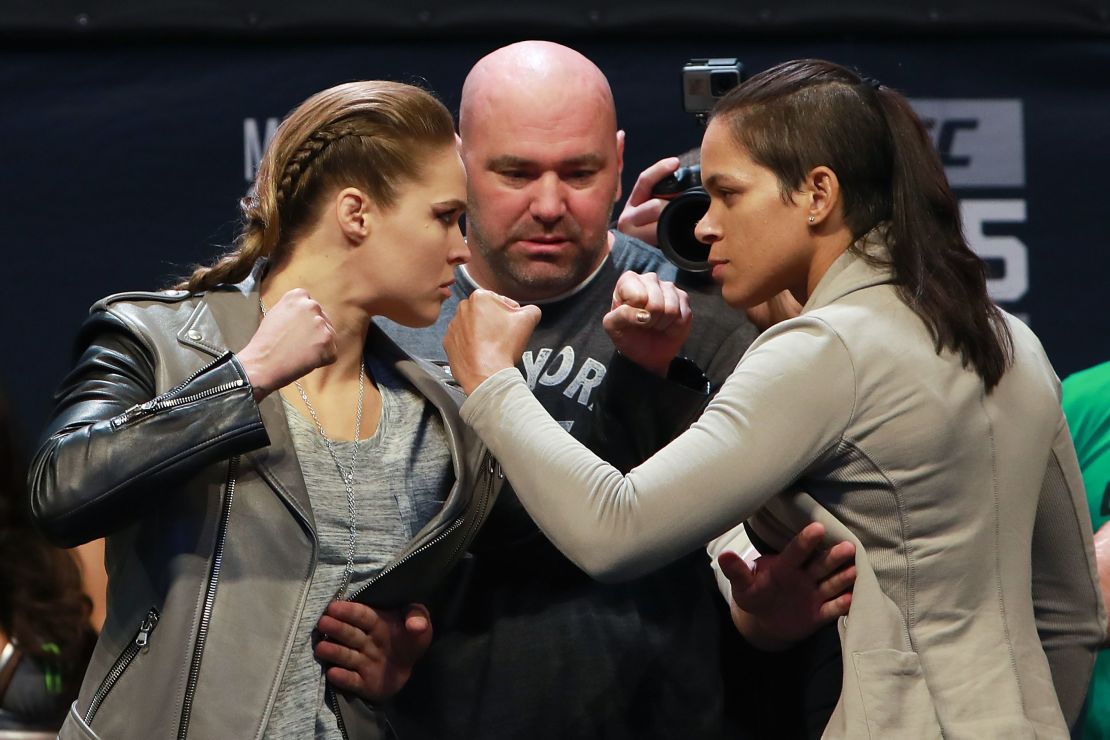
705 81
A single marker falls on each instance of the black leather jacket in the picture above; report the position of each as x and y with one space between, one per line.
157 444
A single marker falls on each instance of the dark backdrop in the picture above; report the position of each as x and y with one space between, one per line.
125 153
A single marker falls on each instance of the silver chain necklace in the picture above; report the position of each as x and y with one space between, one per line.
346 474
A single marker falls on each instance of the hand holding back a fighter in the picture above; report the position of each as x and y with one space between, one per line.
487 334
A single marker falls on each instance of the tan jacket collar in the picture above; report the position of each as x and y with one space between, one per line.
851 272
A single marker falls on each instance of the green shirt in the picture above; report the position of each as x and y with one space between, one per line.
1087 407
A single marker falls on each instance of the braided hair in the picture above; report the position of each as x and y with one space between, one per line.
373 135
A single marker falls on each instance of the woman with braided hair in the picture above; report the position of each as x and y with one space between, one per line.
262 459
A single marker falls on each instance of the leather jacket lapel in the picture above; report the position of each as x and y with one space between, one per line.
278 463
466 464
226 320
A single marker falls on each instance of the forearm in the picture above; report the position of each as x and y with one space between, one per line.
637 412
586 530
762 430
112 446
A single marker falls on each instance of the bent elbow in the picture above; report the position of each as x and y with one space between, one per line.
55 503
605 563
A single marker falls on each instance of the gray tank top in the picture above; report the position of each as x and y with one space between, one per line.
401 481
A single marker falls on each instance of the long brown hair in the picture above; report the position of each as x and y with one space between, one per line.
807 113
42 605
373 135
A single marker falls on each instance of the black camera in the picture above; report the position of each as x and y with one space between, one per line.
704 82
675 230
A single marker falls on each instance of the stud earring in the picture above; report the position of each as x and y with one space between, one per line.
812 219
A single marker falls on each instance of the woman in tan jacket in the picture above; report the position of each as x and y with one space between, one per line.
922 420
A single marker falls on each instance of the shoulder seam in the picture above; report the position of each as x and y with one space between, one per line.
161 296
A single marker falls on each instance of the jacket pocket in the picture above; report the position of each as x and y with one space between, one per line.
896 700
137 645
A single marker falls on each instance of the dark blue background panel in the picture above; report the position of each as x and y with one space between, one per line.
385 20
124 162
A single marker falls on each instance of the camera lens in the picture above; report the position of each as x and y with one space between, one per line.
721 81
676 231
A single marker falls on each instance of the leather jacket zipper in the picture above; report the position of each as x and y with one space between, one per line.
136 646
398 563
333 702
209 601
487 493
493 469
162 402
165 401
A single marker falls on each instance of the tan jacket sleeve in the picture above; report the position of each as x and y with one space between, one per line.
785 406
1068 604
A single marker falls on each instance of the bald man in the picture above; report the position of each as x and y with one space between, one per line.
530 647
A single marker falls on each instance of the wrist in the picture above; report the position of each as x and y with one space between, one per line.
470 378
256 376
657 368
660 367
471 381
756 633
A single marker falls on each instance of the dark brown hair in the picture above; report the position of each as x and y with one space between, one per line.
372 135
808 113
42 605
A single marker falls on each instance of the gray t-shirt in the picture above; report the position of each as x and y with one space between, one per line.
538 649
567 356
402 478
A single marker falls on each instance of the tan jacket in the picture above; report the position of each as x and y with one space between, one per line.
968 510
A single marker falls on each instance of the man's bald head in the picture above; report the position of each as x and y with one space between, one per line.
534 75
543 159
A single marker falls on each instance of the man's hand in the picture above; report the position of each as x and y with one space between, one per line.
789 595
372 652
640 217
1102 560
649 320
488 333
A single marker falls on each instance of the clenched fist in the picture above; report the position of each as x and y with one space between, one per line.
488 333
649 320
294 338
